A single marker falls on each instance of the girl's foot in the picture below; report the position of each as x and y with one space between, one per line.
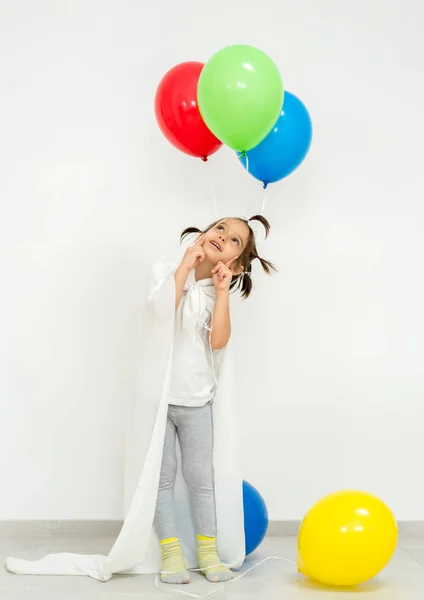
209 563
173 569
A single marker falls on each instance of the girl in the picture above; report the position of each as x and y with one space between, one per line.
185 354
219 261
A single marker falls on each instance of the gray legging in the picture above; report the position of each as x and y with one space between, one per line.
195 434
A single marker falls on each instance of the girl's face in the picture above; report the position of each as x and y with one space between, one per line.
226 240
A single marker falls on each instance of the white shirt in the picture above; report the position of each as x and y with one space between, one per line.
193 378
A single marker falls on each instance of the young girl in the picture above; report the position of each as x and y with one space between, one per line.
184 388
220 260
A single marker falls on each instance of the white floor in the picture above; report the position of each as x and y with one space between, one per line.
402 580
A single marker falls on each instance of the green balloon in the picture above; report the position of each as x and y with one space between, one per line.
240 95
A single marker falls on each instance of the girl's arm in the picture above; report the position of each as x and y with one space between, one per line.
221 323
193 256
180 278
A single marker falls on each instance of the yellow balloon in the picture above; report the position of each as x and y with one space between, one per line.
346 538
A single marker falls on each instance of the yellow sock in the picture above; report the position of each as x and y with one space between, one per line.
209 563
173 569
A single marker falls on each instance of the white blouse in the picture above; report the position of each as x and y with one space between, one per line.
193 379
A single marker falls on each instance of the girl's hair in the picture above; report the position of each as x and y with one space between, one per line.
243 282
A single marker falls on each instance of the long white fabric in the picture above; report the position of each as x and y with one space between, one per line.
136 550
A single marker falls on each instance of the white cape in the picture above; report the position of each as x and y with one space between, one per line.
136 550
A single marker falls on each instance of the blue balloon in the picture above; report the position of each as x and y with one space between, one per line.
286 145
255 517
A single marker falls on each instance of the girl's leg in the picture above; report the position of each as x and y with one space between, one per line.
173 568
165 523
195 432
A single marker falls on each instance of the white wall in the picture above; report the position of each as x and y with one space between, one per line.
330 351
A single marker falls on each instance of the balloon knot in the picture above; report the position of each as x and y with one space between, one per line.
265 183
243 154
204 158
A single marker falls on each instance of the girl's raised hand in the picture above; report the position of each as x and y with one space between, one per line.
222 274
194 255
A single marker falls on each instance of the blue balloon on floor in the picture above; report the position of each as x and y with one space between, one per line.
286 145
255 517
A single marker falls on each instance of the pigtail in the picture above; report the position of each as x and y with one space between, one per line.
267 266
243 282
246 283
189 231
264 222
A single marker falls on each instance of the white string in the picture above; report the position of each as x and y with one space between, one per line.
263 205
264 198
247 201
189 595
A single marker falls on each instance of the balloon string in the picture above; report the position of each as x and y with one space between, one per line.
189 595
263 205
264 198
247 200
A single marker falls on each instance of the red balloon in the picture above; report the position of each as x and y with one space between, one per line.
178 115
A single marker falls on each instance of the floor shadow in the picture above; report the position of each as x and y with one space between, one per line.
308 584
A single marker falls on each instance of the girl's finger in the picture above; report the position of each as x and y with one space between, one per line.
217 266
200 240
231 261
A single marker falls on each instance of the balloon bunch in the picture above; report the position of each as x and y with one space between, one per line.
236 98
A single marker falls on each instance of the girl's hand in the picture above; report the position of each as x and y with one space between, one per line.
194 255
222 275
